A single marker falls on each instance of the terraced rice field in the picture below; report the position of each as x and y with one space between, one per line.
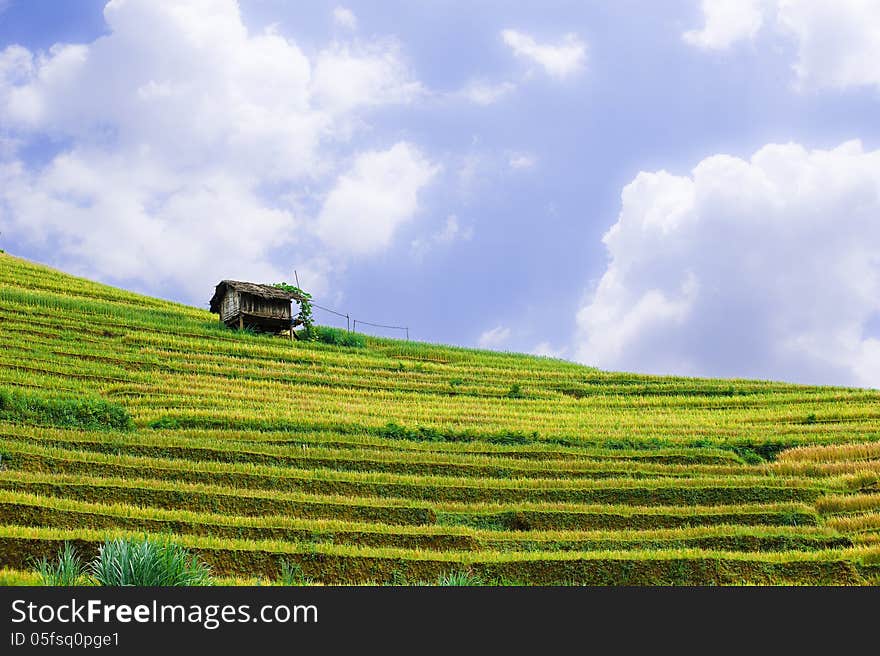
401 462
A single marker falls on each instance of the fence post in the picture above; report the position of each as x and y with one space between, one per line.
348 323
355 324
407 334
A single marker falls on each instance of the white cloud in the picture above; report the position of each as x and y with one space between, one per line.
481 92
558 60
546 350
99 208
837 43
451 231
494 338
519 161
766 268
345 18
726 22
378 194
350 76
176 122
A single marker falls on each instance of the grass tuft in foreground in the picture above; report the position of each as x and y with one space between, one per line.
148 563
66 570
127 562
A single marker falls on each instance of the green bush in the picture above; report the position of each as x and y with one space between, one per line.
305 311
165 422
339 337
147 562
89 413
749 456
395 431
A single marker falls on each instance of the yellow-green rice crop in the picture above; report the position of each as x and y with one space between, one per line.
410 461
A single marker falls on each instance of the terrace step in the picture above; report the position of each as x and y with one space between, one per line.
332 564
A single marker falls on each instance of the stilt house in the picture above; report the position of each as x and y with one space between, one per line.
261 308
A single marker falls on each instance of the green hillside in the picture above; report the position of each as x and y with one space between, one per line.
401 462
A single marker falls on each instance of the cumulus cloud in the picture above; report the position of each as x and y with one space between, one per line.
171 130
837 43
370 201
345 18
559 60
766 267
726 22
494 338
349 76
103 212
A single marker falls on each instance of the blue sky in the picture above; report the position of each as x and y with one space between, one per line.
455 166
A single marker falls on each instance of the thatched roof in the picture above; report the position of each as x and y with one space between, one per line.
267 292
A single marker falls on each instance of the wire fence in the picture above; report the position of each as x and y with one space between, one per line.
351 324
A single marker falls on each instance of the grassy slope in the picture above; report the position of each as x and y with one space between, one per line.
402 461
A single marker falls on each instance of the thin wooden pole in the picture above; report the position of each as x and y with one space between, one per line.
297 278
